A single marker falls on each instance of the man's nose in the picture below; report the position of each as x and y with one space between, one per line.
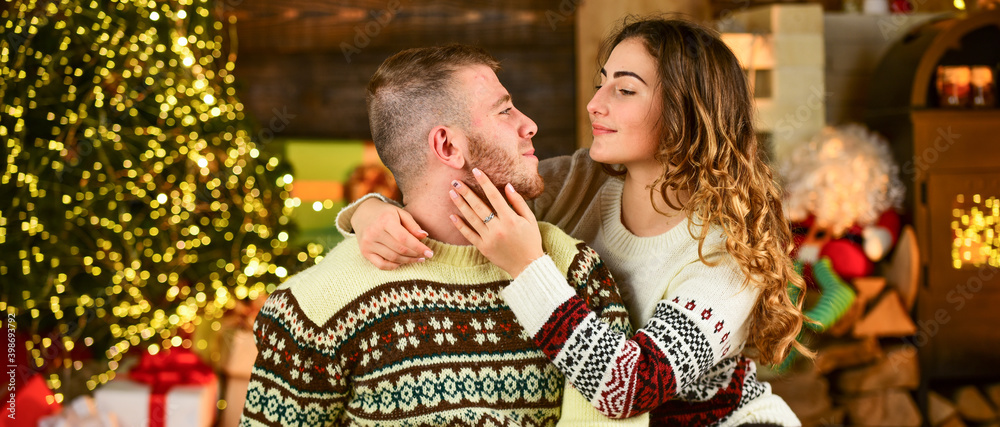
529 128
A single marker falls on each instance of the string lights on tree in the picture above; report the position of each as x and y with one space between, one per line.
135 203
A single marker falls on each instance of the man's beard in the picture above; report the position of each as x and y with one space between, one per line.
500 168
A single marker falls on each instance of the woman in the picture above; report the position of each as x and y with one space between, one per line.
691 228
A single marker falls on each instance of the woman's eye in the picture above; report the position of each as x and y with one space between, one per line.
598 87
626 92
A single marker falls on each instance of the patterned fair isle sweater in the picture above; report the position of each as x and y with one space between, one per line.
683 366
343 343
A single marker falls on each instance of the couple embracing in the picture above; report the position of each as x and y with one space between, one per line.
656 269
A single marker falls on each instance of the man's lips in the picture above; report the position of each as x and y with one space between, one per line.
529 153
601 130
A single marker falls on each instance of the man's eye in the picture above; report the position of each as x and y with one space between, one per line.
598 87
507 111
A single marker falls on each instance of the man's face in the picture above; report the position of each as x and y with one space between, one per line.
499 135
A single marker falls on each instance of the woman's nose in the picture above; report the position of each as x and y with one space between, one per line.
596 105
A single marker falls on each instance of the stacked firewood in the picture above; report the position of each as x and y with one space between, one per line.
969 406
865 372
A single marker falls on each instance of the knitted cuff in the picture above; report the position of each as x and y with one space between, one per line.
345 214
537 292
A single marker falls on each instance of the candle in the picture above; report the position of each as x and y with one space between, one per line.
953 86
982 87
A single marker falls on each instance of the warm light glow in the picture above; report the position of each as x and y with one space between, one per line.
110 237
976 231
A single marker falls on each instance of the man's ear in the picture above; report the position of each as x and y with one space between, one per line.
448 146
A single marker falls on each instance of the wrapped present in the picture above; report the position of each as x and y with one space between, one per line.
29 402
81 412
229 344
236 397
173 388
240 352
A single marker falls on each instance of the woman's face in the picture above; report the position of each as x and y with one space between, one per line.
624 111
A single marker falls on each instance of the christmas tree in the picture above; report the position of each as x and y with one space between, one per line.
135 203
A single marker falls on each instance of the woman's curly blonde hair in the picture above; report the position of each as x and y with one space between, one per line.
709 150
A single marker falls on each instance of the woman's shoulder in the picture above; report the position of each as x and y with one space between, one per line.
559 167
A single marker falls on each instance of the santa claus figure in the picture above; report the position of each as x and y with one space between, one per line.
842 192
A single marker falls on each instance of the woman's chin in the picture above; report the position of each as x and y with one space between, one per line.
598 153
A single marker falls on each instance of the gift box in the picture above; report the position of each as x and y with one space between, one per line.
173 388
30 401
236 398
82 412
228 343
239 354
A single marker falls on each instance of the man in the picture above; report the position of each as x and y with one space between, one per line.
430 343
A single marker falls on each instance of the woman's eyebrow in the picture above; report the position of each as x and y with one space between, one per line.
624 73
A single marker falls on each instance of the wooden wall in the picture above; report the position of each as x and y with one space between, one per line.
854 45
306 62
312 59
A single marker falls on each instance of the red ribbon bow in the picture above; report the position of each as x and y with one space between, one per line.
168 368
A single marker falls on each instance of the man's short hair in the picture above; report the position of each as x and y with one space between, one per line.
410 93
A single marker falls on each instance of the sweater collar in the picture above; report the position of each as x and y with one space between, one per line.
455 255
621 239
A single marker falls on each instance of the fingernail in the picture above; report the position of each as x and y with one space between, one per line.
454 183
453 218
425 232
421 260
510 187
476 172
428 254
453 194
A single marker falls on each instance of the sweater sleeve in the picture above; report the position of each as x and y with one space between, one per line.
623 375
590 281
289 383
344 216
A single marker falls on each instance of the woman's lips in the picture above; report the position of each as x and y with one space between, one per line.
601 130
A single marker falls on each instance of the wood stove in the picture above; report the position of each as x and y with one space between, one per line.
949 151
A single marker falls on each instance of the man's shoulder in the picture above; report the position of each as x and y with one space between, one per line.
563 248
333 265
325 288
554 237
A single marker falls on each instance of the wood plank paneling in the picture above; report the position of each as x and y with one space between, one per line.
292 58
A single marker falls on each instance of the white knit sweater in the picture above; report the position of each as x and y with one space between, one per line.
689 315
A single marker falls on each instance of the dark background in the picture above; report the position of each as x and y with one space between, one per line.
291 55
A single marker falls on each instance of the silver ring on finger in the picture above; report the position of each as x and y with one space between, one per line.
487 219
